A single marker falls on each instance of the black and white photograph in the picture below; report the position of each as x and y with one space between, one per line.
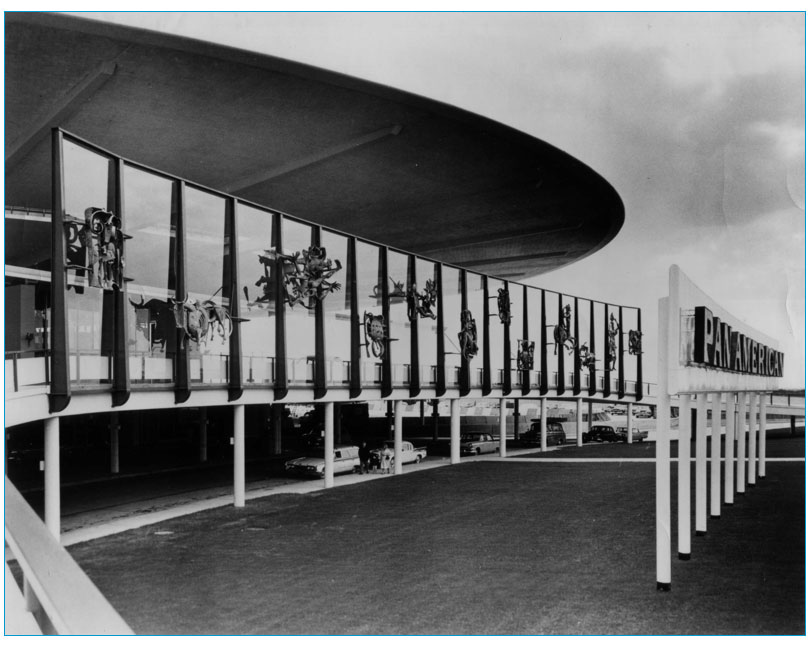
429 322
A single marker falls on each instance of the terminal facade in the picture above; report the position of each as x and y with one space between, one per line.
137 292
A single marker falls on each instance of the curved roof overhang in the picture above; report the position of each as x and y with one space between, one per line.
370 160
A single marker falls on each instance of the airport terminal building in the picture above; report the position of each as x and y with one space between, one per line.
198 237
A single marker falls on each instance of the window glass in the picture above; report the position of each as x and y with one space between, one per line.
452 323
399 323
256 272
534 334
496 330
427 322
369 299
475 300
207 279
337 313
299 313
150 263
517 293
88 192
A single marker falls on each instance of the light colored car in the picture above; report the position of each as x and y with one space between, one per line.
409 453
346 460
476 443
637 435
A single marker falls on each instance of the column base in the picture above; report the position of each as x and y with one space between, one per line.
729 504
700 532
714 517
663 587
684 557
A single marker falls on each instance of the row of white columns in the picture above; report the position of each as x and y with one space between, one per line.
52 471
740 470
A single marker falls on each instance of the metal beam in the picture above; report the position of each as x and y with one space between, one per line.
303 162
69 104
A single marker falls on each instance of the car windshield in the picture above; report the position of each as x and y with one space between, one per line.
470 438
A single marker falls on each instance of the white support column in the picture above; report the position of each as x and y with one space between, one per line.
740 467
754 405
114 443
701 464
762 438
629 421
328 442
543 422
398 467
715 459
579 421
683 470
729 450
276 429
662 465
53 501
503 428
238 456
454 430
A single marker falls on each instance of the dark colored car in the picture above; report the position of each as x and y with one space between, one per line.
555 435
601 434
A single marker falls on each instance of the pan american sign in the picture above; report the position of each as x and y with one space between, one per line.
717 345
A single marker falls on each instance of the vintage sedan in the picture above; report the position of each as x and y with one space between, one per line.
476 443
637 435
555 435
346 460
601 433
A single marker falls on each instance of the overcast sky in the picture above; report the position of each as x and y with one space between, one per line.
696 119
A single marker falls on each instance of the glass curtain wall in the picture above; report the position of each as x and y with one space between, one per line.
151 220
475 298
337 313
296 238
452 323
206 262
427 325
553 348
568 340
399 323
88 185
369 300
584 327
256 271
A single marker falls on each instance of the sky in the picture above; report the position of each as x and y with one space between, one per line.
697 119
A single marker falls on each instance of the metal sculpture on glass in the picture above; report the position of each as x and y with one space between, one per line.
561 332
397 293
306 275
613 331
504 305
524 354
375 334
586 357
420 304
95 245
467 335
634 342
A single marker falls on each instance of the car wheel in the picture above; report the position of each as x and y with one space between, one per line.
417 459
477 450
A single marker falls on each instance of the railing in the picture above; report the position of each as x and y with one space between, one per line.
259 370
27 368
61 596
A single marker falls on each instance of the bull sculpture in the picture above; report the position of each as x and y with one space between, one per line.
199 321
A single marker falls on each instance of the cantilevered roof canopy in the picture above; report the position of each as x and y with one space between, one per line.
366 159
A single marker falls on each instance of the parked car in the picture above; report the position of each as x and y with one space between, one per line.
637 435
409 453
601 434
643 414
555 435
476 443
346 460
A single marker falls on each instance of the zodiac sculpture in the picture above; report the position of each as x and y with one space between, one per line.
634 342
420 304
95 245
504 305
375 334
467 335
614 330
524 355
561 332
